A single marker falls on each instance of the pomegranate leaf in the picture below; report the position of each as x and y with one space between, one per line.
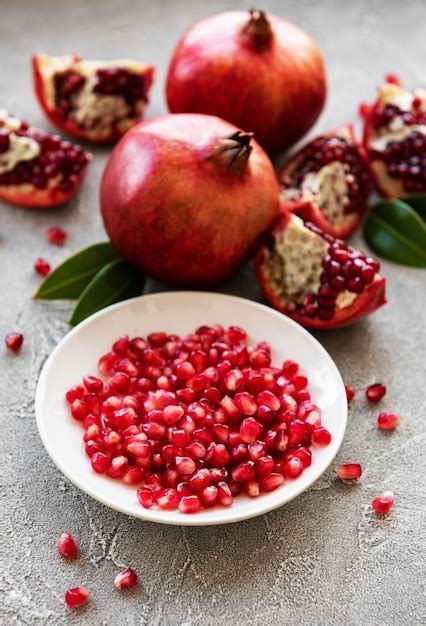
417 202
394 230
115 282
68 280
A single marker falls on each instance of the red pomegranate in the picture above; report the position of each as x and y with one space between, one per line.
94 100
317 280
37 169
186 198
395 139
328 182
257 71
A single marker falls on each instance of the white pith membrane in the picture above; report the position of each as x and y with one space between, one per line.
293 266
92 111
326 189
20 148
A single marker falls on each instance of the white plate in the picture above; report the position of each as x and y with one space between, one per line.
181 312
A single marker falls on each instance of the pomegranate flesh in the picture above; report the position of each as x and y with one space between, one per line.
257 71
94 100
37 169
186 198
395 139
317 280
328 182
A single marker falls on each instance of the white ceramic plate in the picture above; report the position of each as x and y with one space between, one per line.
180 312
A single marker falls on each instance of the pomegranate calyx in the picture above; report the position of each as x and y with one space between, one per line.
258 29
234 150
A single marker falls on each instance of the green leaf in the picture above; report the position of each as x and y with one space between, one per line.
394 230
417 202
115 282
68 280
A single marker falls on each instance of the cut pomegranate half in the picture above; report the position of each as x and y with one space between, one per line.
328 182
94 100
319 281
37 169
395 139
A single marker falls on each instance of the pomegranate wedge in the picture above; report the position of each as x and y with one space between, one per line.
37 169
328 182
94 100
319 281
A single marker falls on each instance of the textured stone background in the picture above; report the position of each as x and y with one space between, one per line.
323 558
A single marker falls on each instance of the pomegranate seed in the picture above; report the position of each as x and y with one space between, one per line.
250 430
245 403
293 467
271 482
393 79
99 462
296 432
185 371
189 504
133 476
67 546
145 497
78 410
199 480
168 500
76 597
268 399
251 489
41 266
349 471
387 421
185 465
233 379
304 454
383 503
14 341
374 393
209 496
350 393
289 369
243 472
126 579
264 466
320 437
56 235
224 495
118 466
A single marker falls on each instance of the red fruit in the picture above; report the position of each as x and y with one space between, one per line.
257 71
328 182
92 100
229 196
57 236
42 267
126 579
67 546
383 503
293 467
298 270
374 393
76 597
320 437
350 393
37 169
14 341
387 421
189 504
395 139
349 471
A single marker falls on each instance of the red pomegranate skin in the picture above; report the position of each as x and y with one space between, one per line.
174 207
276 91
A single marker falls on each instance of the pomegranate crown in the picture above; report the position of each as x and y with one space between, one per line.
258 28
234 150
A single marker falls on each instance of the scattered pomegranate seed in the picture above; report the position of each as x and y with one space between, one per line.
56 235
350 393
374 393
126 579
364 109
392 78
67 546
383 503
76 597
387 421
41 266
349 471
14 341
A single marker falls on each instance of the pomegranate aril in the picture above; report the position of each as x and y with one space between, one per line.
251 489
268 399
168 500
145 497
42 266
209 496
224 495
245 403
302 453
271 482
126 579
349 471
320 437
243 472
296 432
189 504
185 465
256 450
264 466
100 462
250 430
78 410
383 503
350 393
118 466
14 341
76 597
387 421
133 476
374 393
293 467
56 235
67 546
199 480
185 371
172 414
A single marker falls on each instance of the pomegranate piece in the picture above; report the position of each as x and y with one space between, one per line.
317 280
395 139
76 597
387 421
56 235
92 100
349 471
67 546
383 503
42 266
37 169
328 182
14 341
253 69
374 393
126 579
218 155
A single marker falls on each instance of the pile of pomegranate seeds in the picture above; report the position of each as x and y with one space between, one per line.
374 393
42 266
56 235
196 421
14 341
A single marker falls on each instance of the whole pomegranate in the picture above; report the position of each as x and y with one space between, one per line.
186 198
257 71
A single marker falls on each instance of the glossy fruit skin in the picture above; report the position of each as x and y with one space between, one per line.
373 296
276 89
174 206
308 211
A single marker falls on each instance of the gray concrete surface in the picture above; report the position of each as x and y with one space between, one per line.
323 558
